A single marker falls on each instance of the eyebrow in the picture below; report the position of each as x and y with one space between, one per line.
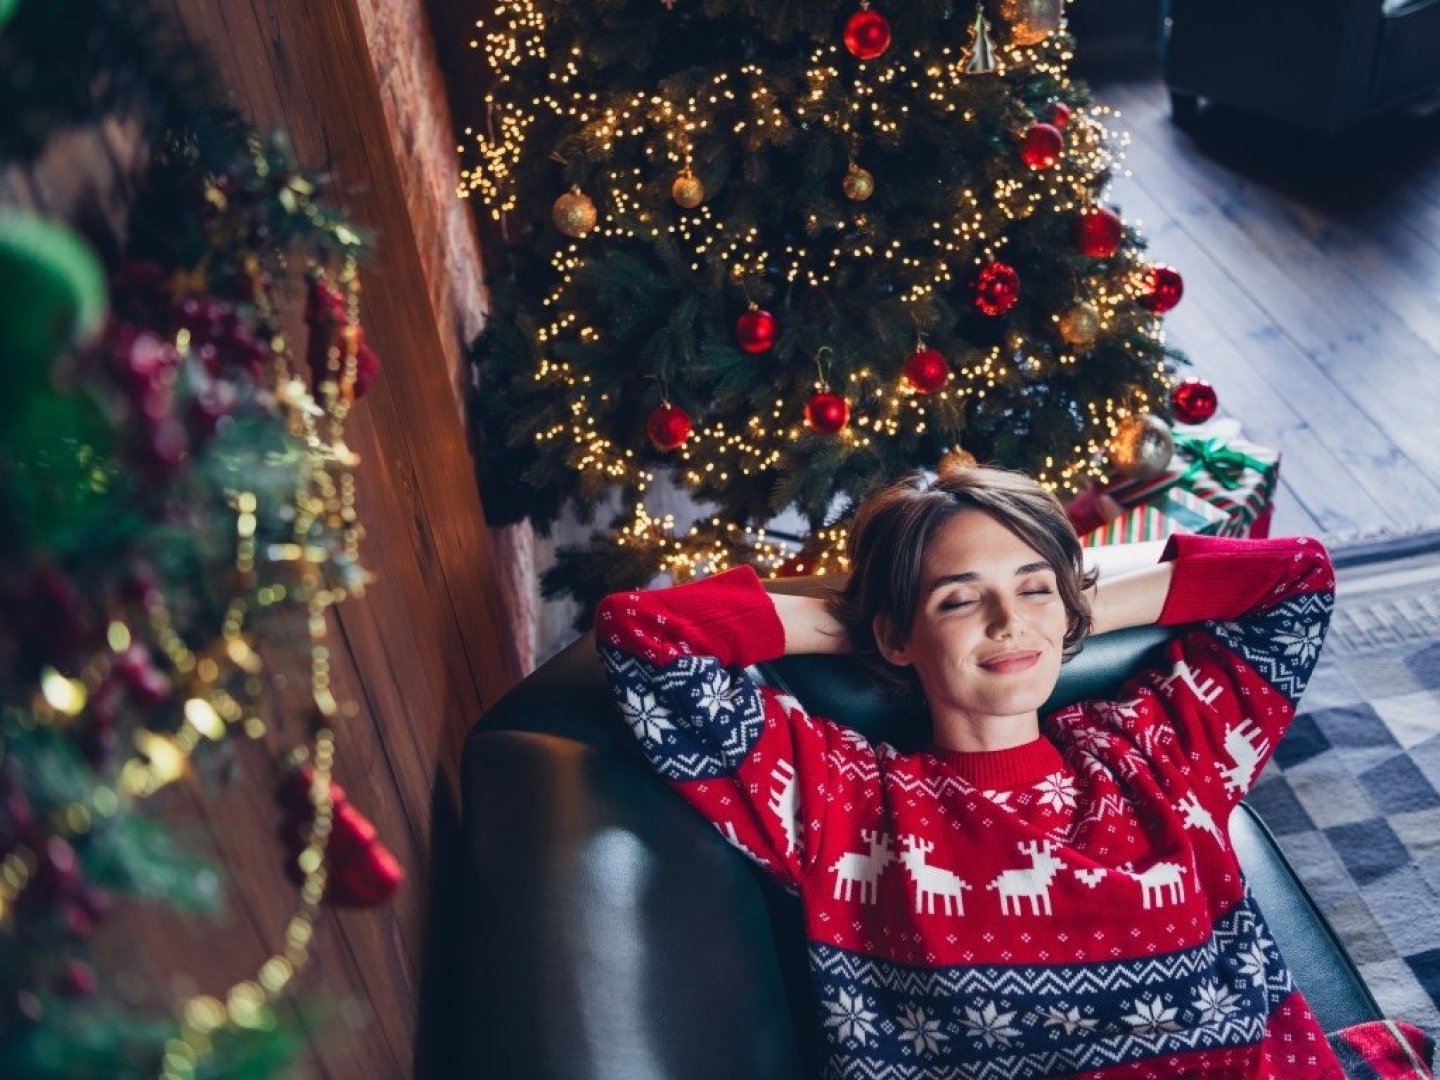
971 575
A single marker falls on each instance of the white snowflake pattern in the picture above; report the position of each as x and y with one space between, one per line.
1301 641
851 1017
647 717
1116 711
1092 739
1069 1019
919 1030
1151 1017
1056 791
1001 797
717 695
1252 962
1215 1003
990 1025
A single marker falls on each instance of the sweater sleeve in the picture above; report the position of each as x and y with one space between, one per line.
1255 614
750 759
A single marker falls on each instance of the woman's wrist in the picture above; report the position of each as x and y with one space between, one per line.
809 626
1132 599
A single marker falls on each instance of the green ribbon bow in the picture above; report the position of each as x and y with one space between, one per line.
1213 456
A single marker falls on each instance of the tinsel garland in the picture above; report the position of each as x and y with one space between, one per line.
180 510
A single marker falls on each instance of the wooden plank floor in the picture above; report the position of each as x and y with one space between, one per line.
1312 277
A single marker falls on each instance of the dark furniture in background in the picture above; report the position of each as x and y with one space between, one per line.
611 932
1321 65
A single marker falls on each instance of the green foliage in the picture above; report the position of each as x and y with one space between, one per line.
57 480
86 1040
121 849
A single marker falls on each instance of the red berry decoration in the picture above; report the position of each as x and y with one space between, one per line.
1042 146
77 979
756 330
867 34
1060 113
1164 287
1194 401
926 370
1098 232
827 412
997 288
667 427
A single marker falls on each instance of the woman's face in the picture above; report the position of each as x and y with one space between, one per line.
989 629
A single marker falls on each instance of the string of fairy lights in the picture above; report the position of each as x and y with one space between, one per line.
222 681
860 109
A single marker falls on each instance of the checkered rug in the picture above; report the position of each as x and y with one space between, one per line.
1353 792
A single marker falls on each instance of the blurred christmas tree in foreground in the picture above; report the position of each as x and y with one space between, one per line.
786 252
179 517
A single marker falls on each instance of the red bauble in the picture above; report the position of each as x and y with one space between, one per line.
1042 146
667 427
1194 401
926 370
867 34
360 870
367 367
756 330
1060 113
997 288
1098 232
1164 287
827 412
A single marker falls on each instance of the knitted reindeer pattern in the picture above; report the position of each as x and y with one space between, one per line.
1070 907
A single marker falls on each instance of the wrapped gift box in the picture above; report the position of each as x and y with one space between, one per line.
1213 462
1171 511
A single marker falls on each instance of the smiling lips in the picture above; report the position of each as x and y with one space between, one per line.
1009 662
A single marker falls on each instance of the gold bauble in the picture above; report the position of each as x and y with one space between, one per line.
1031 21
858 184
953 461
574 214
1141 447
687 190
1079 324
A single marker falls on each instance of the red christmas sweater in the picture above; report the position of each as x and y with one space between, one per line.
1070 907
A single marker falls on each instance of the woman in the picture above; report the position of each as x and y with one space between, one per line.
1028 896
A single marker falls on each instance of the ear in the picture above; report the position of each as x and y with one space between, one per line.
899 655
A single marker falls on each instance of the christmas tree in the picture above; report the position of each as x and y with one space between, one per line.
779 254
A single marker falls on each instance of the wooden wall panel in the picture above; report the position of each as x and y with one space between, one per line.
355 85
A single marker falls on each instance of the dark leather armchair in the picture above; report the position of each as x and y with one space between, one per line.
611 933
1322 65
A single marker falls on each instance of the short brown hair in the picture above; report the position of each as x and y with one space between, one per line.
894 527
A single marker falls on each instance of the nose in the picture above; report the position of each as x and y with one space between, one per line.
1004 617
